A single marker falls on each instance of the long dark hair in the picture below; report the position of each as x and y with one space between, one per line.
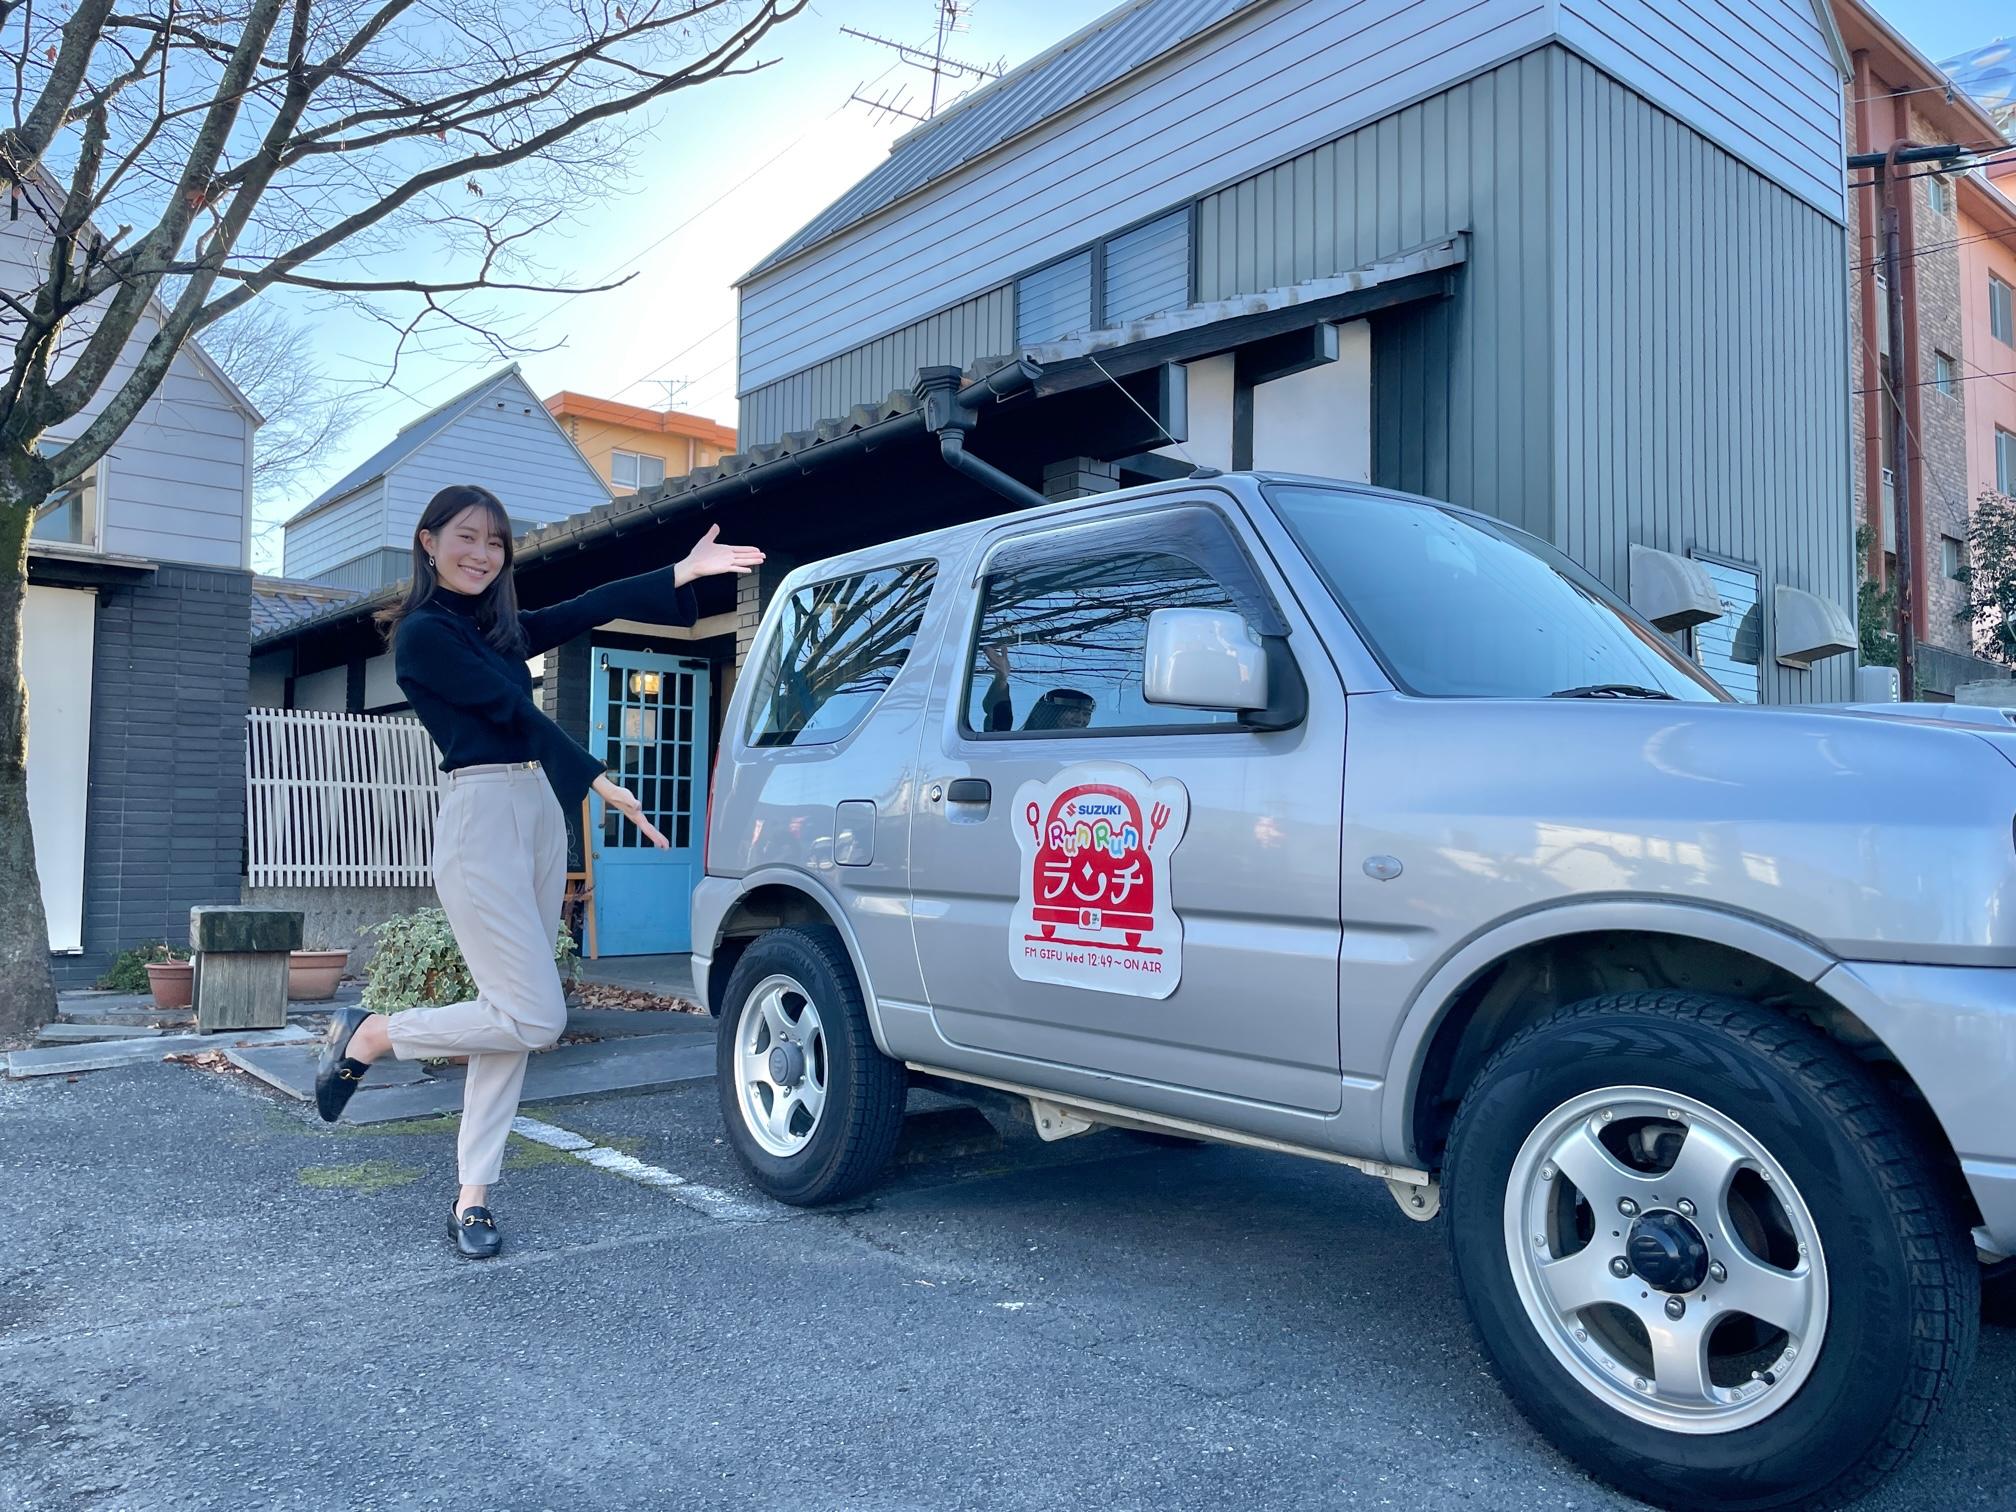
497 605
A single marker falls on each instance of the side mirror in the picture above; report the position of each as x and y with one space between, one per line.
1204 659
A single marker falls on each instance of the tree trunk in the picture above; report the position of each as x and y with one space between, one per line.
27 991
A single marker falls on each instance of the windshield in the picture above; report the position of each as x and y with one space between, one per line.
1456 606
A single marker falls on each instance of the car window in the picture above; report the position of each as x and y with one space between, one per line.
836 648
1058 647
1457 606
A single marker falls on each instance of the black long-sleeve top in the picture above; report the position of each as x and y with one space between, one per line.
476 701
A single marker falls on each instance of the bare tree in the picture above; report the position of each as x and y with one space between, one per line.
170 160
270 355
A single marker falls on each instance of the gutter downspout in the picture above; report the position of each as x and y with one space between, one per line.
950 414
1904 206
1871 384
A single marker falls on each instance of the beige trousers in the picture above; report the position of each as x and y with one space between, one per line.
500 868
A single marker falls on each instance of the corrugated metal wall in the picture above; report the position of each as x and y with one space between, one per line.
1703 385
1459 393
982 327
1648 343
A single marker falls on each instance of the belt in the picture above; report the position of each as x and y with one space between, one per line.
494 766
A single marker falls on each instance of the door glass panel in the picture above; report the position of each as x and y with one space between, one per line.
834 650
1060 644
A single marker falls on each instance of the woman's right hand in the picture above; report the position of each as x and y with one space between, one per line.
626 803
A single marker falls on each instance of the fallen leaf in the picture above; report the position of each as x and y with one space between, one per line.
203 1060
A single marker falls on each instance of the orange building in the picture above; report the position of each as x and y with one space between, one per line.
635 448
1987 227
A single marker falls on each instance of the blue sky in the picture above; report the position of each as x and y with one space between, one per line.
728 172
723 176
1942 28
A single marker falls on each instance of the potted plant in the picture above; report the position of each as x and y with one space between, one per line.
418 963
171 975
312 974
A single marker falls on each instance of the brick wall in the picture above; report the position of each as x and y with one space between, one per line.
164 827
1943 506
1944 509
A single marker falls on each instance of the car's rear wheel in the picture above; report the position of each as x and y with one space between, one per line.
812 1106
1998 1294
1702 1256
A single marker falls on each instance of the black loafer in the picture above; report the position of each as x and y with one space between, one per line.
475 1231
336 1075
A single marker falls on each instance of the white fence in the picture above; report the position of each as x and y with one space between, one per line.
339 800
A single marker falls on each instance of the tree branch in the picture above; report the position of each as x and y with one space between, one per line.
22 148
76 388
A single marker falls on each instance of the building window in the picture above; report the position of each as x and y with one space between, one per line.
635 470
2000 319
1941 190
1953 557
1731 649
1945 373
1147 270
1138 272
70 515
2005 462
1054 301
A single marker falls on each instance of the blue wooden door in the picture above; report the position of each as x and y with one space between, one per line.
652 723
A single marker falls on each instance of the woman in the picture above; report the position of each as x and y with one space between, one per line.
460 644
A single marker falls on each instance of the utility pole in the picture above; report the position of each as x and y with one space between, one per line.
1888 181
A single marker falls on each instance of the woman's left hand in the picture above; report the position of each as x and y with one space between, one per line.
630 807
710 558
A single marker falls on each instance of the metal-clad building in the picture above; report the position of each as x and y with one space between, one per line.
1640 340
1578 264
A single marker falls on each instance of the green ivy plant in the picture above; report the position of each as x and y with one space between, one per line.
129 970
1875 609
418 964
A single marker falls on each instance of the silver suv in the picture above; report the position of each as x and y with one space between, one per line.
1317 819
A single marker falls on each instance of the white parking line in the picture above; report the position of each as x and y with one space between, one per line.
712 1201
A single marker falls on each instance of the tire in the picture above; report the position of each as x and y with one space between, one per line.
1882 1300
799 981
1998 1295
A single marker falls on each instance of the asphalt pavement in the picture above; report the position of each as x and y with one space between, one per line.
208 1299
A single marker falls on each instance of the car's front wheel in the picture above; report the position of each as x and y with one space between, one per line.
812 1106
1703 1256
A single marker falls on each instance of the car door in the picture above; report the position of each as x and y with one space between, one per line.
1113 885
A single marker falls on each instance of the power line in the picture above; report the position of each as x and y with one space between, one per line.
1948 89
1931 472
742 182
1941 383
1928 250
1981 153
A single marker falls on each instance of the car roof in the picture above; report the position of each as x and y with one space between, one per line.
952 538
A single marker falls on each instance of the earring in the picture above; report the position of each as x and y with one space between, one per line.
430 561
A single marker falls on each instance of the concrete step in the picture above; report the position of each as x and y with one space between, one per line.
66 1060
633 1063
84 1034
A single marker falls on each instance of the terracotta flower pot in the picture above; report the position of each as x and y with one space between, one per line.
172 983
312 975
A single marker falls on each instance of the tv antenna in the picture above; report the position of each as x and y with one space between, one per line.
952 18
673 387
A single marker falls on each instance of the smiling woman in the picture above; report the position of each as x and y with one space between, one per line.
460 644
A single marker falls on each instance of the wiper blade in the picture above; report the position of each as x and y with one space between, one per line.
1613 690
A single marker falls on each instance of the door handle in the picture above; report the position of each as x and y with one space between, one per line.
970 790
